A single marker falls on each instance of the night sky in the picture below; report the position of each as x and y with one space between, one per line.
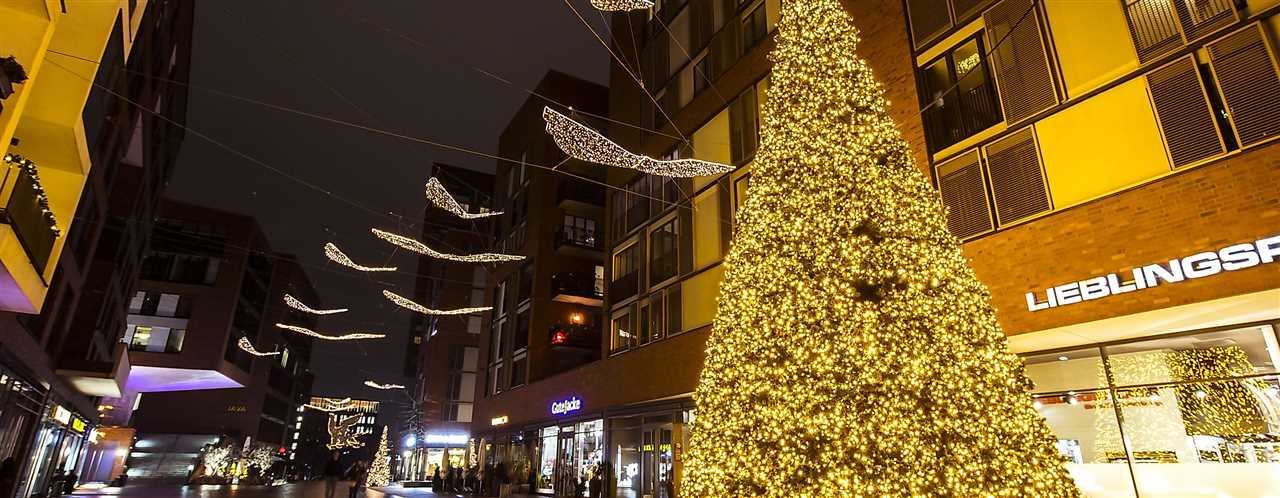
335 58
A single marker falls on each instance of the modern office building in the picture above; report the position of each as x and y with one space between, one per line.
208 280
92 135
1110 167
443 351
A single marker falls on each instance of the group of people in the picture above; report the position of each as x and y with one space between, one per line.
455 480
357 473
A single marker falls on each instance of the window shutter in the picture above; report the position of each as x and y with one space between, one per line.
1246 72
1021 66
1153 26
929 18
1017 177
1201 17
965 195
1184 114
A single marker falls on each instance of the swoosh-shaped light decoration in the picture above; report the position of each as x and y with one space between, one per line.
405 303
621 5
384 387
581 142
420 248
437 194
338 257
317 335
294 303
248 348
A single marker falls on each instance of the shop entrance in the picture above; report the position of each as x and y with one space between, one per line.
644 449
566 477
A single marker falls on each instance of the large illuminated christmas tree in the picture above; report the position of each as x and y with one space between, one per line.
380 470
854 352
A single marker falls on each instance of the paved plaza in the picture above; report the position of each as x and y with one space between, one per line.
313 489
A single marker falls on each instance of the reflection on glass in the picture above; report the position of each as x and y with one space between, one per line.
1089 440
547 460
1067 370
1208 355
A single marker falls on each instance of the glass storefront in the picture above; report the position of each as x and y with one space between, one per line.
643 450
1188 414
20 415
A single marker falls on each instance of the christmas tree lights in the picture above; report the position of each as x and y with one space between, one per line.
340 433
621 5
346 337
442 199
583 143
247 346
337 256
854 353
420 248
380 469
410 305
384 387
294 303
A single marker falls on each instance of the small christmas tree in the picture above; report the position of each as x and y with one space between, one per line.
380 469
854 352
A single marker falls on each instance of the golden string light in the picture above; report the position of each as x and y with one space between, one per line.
247 346
410 305
384 387
317 335
341 405
621 5
336 255
581 142
420 248
340 433
438 195
294 303
854 352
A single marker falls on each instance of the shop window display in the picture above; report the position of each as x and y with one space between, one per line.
547 460
1187 411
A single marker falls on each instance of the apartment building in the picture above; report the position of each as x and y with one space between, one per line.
91 137
1109 166
208 280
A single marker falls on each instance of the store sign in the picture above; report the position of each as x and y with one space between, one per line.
1205 264
496 421
446 438
62 415
566 406
78 425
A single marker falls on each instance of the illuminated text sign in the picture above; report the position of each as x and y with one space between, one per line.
1205 264
566 406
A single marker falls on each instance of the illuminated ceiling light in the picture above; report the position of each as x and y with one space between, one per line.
294 303
317 335
338 257
437 194
420 248
1063 358
248 347
384 387
410 305
621 5
581 142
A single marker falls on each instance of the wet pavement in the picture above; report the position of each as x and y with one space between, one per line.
314 489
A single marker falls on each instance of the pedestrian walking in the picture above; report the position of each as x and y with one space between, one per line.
358 474
332 472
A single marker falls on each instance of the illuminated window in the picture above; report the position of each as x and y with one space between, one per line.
141 337
624 335
958 110
664 251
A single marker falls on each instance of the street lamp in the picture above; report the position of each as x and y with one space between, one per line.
410 441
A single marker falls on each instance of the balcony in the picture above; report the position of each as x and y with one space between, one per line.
624 287
579 242
581 197
98 378
577 288
28 237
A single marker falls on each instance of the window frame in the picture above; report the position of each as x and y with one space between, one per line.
947 58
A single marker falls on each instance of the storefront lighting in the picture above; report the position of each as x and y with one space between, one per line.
410 441
1063 358
1038 404
1072 399
122 452
406 454
566 406
447 439
1155 397
496 421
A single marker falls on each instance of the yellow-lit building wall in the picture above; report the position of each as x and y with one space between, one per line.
699 297
1098 48
59 51
1106 143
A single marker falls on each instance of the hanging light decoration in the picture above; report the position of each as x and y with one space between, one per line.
294 303
420 248
317 335
438 195
384 387
340 433
581 142
42 200
410 305
338 257
341 405
248 347
621 5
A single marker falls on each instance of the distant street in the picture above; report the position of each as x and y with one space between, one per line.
314 489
